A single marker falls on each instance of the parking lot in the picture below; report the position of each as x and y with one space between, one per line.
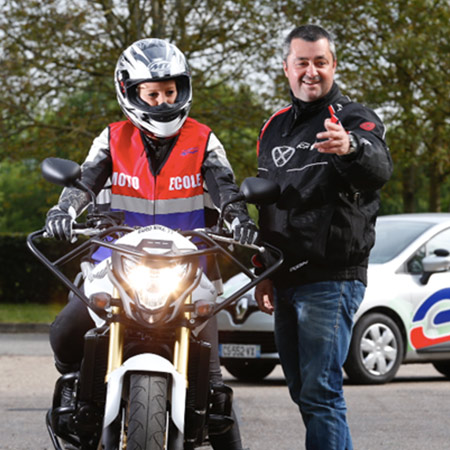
412 412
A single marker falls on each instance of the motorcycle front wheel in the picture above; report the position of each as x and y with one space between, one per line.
147 419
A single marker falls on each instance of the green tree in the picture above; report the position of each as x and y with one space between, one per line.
53 51
58 58
22 208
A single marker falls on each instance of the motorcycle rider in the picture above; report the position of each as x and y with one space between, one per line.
164 168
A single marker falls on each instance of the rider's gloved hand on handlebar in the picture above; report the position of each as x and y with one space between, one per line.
59 223
244 229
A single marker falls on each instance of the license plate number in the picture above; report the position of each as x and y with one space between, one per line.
239 351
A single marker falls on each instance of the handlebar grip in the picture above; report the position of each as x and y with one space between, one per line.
79 226
230 240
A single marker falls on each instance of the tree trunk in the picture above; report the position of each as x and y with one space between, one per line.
159 26
409 189
434 194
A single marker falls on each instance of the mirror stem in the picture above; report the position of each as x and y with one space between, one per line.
80 185
238 198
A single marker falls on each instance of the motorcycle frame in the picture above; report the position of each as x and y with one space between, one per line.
117 369
213 249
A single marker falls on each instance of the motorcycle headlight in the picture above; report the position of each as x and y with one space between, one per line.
153 285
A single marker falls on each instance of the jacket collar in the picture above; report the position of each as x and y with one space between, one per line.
303 110
306 109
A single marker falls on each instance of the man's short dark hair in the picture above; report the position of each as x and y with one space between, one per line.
309 33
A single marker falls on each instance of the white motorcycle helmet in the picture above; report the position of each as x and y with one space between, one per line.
153 60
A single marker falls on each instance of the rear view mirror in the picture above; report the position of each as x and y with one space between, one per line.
61 171
254 190
438 262
65 173
260 191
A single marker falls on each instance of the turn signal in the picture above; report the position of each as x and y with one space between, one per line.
101 300
203 308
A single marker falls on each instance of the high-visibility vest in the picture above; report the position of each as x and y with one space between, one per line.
174 197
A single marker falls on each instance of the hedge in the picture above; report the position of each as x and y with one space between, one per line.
24 279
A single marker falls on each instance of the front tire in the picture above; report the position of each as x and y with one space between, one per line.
147 412
376 350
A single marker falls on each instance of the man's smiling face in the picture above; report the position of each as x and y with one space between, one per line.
310 69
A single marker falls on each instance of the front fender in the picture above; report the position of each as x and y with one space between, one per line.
146 362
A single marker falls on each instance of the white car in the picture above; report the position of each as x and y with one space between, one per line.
404 317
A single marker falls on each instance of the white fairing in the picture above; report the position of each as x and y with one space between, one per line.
97 280
157 232
148 363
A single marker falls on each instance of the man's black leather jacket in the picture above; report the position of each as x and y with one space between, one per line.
324 220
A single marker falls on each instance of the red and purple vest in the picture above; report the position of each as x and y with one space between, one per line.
173 197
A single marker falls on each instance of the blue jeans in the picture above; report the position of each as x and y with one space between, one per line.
313 326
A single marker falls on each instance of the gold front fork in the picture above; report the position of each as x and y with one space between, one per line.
181 348
115 351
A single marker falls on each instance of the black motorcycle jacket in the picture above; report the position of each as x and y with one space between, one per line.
324 219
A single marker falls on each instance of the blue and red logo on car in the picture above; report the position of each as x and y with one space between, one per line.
427 316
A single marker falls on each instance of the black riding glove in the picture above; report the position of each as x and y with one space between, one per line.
59 223
244 229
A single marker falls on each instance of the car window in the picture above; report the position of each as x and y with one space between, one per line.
393 236
440 241
414 265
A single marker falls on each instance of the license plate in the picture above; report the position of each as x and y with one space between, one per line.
239 351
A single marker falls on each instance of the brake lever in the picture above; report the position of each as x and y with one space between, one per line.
229 240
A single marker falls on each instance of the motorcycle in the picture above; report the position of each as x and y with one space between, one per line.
144 378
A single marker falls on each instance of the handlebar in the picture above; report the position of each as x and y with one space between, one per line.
85 229
79 229
230 240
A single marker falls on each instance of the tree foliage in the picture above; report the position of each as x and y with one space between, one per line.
57 60
22 194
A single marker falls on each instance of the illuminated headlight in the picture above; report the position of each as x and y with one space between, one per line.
154 285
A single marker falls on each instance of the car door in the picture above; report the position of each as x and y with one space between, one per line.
429 328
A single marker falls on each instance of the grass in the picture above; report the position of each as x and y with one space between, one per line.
28 312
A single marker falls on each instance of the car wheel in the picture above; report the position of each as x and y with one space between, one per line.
442 367
376 350
250 370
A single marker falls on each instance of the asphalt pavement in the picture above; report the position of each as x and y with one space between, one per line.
24 327
412 412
